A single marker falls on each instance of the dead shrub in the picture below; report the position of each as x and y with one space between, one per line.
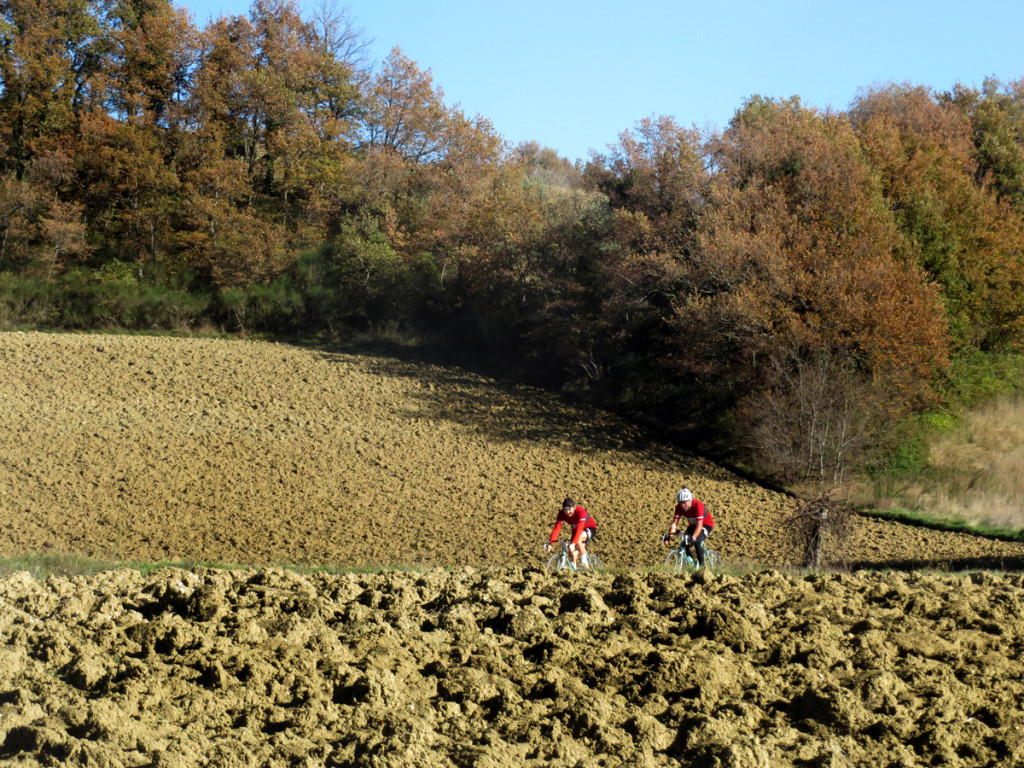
819 522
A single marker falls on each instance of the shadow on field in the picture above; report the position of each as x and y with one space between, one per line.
953 565
500 410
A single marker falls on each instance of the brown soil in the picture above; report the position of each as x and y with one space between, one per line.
511 667
228 452
256 454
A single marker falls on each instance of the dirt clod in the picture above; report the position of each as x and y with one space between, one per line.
833 681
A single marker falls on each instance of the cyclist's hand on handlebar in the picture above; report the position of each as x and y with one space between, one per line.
547 546
687 540
666 539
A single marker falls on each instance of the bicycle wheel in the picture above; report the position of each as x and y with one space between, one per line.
675 561
595 562
711 558
559 562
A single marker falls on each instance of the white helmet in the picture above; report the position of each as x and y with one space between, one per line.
684 495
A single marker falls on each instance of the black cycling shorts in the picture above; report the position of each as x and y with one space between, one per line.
704 533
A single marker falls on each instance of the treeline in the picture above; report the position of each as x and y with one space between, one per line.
797 283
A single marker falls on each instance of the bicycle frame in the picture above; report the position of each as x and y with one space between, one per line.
562 560
678 559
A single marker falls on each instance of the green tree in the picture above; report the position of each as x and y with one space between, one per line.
965 237
996 113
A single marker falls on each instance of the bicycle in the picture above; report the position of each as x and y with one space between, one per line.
678 559
562 561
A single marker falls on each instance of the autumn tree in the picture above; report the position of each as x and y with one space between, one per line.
19 208
40 234
526 286
813 416
405 113
545 166
276 107
800 264
62 235
49 54
654 183
439 186
655 179
966 239
132 189
152 52
996 114
401 135
338 38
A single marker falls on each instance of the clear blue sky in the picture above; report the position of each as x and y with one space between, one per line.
572 75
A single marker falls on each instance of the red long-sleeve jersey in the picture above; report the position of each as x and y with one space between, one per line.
579 518
694 515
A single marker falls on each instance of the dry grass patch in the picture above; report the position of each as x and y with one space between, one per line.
978 469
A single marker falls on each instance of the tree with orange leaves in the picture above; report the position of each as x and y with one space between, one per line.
961 233
800 263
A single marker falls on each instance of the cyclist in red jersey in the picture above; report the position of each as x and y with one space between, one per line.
698 523
583 528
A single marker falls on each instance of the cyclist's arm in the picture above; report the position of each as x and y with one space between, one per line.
674 526
555 531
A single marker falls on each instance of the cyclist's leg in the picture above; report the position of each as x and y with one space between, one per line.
688 548
698 545
588 534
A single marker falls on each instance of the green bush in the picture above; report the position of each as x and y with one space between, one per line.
907 453
275 307
234 303
26 301
939 422
115 304
979 376
112 297
170 308
77 301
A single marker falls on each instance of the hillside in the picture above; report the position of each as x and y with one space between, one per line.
158 448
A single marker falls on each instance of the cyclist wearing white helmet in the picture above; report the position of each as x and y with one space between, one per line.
698 523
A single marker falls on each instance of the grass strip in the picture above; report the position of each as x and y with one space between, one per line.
952 524
42 566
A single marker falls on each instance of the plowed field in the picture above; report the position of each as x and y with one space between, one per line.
231 452
511 667
257 454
